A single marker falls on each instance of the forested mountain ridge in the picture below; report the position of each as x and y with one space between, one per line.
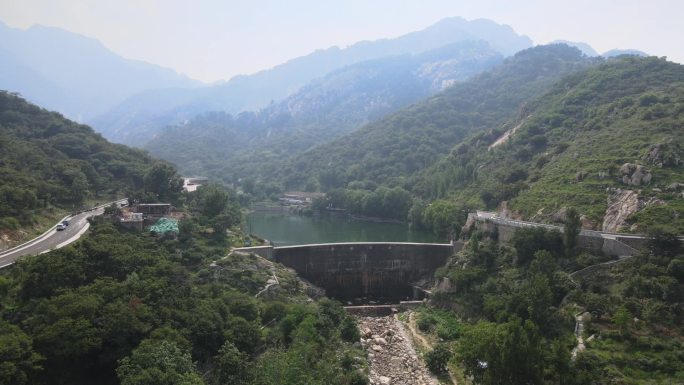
608 141
392 149
220 145
155 109
47 161
73 74
605 138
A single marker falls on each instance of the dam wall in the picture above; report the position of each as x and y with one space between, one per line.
379 270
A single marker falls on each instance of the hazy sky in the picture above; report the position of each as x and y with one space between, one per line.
215 39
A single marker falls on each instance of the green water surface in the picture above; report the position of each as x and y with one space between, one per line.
284 229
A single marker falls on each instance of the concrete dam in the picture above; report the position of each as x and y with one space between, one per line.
377 270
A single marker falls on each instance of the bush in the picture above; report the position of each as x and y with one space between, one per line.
349 331
426 322
438 358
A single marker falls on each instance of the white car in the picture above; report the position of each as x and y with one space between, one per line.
60 227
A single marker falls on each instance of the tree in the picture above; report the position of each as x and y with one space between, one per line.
231 366
349 331
18 361
527 241
663 242
158 362
163 181
438 358
112 210
212 200
444 218
621 318
573 226
509 353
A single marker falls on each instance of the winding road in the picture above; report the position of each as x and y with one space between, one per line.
53 239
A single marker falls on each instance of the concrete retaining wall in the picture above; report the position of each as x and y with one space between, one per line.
617 248
262 251
593 241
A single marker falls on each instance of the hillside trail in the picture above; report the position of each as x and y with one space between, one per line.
425 344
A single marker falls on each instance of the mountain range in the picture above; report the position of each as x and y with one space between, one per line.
546 130
151 110
323 110
73 74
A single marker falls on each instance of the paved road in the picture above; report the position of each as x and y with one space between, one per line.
53 239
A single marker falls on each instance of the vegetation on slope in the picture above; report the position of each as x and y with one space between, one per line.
577 142
506 314
392 149
131 308
250 144
48 161
571 144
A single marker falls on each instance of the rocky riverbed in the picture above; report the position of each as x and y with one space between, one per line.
392 358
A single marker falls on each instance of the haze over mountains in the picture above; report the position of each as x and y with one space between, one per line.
319 112
154 109
130 101
73 74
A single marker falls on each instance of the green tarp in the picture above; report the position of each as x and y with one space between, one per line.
165 225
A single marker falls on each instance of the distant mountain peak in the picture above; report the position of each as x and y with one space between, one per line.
252 92
620 52
75 74
584 47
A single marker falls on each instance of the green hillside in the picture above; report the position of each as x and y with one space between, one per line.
571 146
513 314
545 131
50 163
252 144
416 137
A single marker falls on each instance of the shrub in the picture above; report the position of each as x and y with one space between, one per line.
438 358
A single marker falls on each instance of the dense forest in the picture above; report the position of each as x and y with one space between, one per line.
132 308
47 161
412 139
509 313
126 307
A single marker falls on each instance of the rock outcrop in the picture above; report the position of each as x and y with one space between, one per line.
664 155
635 174
621 204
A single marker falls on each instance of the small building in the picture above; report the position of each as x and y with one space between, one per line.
133 221
299 198
153 209
191 184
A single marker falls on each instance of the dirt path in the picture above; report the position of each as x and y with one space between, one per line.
426 345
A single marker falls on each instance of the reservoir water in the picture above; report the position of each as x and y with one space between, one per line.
282 229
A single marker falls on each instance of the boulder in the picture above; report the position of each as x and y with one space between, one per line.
581 175
635 174
664 155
